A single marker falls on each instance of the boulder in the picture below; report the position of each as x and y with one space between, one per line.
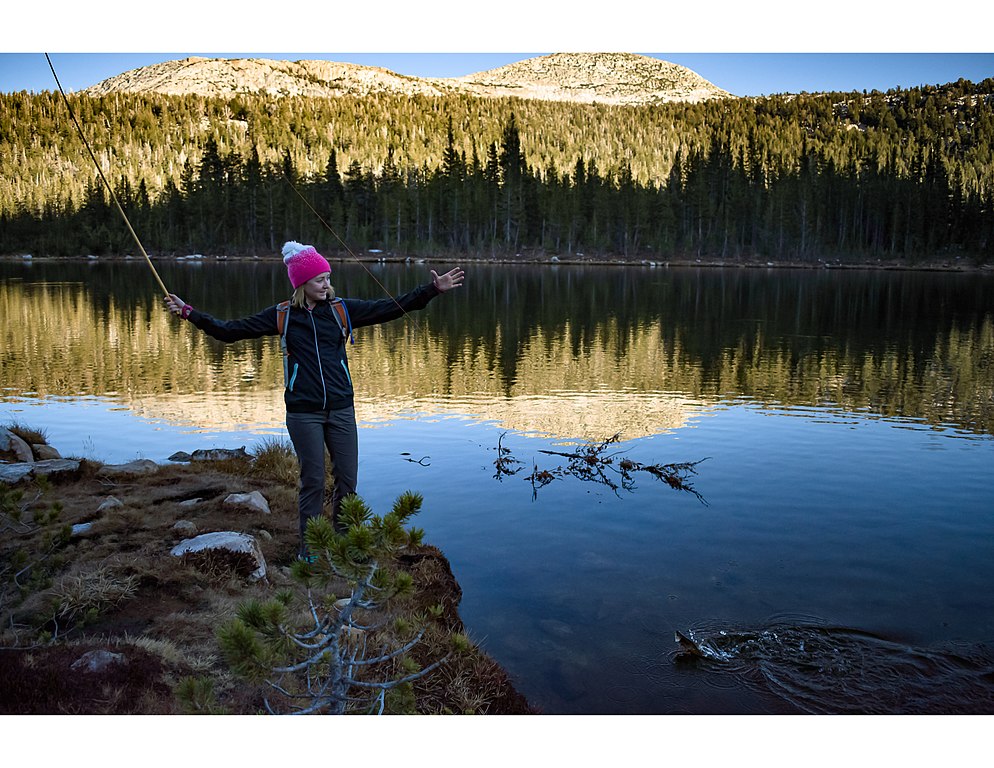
54 467
220 454
185 528
254 500
109 503
44 451
136 467
11 474
97 661
211 454
80 528
19 450
239 543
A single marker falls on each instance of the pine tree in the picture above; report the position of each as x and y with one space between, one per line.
511 162
858 175
338 655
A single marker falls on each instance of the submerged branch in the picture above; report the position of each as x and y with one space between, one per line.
592 463
504 461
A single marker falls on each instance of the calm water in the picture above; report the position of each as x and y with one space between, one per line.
845 420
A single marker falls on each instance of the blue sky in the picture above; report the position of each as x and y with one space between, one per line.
749 49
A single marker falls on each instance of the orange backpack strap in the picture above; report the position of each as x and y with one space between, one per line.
282 310
344 321
341 314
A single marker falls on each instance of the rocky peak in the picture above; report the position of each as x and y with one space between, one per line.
228 77
607 78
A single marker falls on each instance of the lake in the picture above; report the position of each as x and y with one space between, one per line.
831 550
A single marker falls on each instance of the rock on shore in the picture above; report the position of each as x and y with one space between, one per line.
119 600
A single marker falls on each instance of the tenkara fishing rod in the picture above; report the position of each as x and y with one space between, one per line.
106 184
124 216
345 245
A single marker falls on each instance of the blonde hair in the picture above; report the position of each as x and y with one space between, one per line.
300 301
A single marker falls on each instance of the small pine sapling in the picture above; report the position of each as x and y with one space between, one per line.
322 654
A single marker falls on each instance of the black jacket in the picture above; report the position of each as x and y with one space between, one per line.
319 369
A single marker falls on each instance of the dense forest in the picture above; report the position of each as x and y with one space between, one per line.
904 176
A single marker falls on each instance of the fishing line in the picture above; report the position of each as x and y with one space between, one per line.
106 183
124 216
345 245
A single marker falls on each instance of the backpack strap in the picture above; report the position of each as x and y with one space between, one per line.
282 318
282 312
344 321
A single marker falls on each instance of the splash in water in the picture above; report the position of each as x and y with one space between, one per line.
833 670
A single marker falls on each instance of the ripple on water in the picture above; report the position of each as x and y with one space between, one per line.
839 670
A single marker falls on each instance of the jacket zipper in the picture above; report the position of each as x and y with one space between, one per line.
317 354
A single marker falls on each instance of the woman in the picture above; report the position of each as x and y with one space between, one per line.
318 388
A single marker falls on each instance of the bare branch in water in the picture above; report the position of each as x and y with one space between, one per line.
593 463
539 478
505 462
674 475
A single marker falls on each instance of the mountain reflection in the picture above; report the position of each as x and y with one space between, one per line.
572 352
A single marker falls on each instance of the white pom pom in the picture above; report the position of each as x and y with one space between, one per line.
290 249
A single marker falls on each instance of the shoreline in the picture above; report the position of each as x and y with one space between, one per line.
957 264
119 590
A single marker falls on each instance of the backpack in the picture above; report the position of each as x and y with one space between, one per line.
283 310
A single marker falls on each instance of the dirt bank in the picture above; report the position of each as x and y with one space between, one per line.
80 573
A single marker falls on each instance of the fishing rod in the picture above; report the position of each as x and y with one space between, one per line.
345 245
127 222
106 183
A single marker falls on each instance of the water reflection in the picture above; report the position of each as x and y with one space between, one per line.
579 353
832 406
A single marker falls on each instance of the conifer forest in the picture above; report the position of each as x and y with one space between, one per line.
903 176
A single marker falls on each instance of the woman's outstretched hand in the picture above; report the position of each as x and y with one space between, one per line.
174 303
451 279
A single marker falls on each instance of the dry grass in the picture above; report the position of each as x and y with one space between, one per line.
275 460
218 565
91 594
169 651
117 587
463 690
28 434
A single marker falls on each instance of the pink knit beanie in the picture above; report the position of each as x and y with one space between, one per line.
303 263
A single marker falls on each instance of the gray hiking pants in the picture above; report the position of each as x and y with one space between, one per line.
310 434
